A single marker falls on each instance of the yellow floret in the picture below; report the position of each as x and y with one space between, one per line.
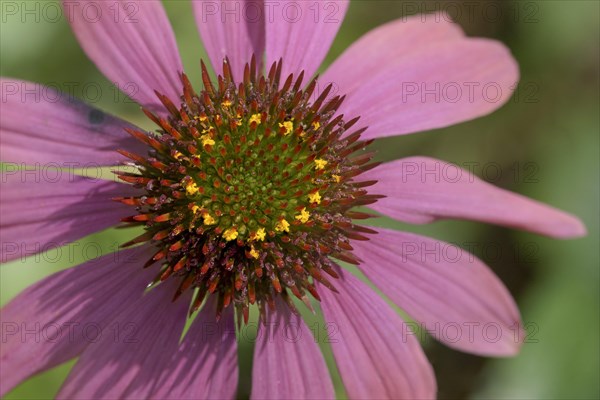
238 119
320 163
260 234
207 140
282 226
316 125
230 234
337 178
253 253
208 219
255 118
289 127
226 103
303 216
315 198
191 188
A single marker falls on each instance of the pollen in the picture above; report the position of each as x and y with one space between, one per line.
195 209
208 219
320 163
288 126
207 140
178 155
226 103
260 234
303 216
230 234
257 118
191 188
336 178
201 118
316 125
315 198
282 226
253 253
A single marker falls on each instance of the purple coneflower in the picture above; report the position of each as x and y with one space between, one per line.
247 193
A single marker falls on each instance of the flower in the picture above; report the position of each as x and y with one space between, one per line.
243 216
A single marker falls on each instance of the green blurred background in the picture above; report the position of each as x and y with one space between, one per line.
545 143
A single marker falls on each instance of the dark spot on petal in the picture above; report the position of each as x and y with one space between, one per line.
96 117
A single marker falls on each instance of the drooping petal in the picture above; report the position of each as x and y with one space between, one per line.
421 190
42 127
301 33
43 209
439 84
386 43
287 361
232 29
454 295
130 365
55 319
205 366
132 43
376 353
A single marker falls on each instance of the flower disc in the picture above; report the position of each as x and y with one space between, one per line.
249 188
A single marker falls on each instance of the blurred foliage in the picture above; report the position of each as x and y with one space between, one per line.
556 287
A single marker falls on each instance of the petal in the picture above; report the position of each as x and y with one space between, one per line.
437 85
55 319
376 353
455 296
43 209
287 361
39 125
127 363
421 190
205 366
232 29
301 33
132 43
391 41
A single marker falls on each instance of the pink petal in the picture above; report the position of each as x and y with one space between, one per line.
287 361
39 125
127 363
301 33
455 296
205 366
374 49
376 353
55 319
132 43
233 29
441 83
421 190
43 209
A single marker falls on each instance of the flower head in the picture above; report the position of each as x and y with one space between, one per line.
249 178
